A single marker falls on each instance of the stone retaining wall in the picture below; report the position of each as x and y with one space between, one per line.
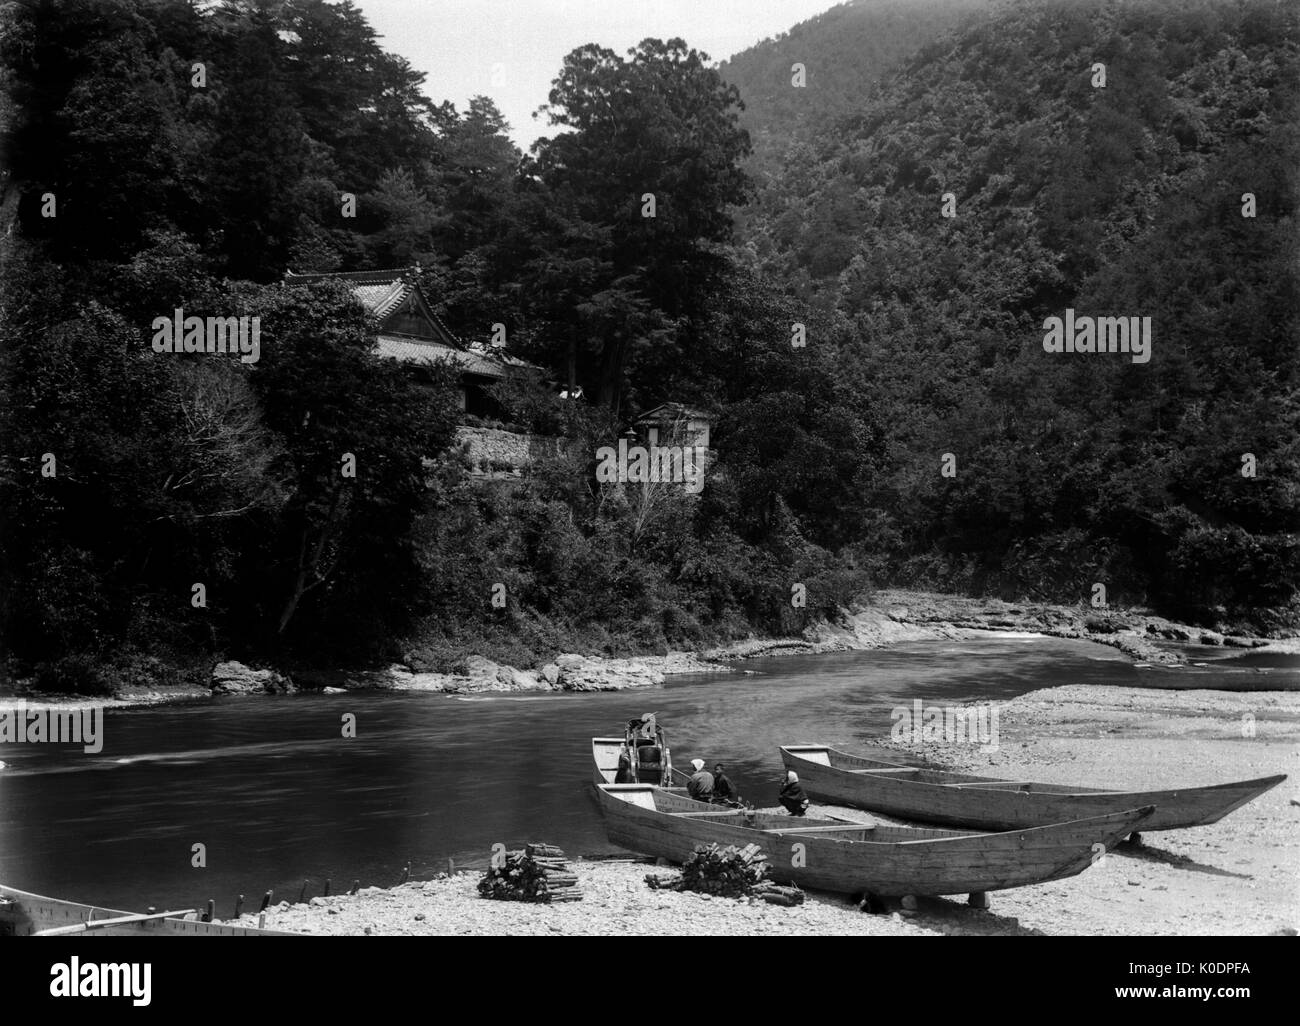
492 453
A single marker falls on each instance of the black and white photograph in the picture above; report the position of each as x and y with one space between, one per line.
653 469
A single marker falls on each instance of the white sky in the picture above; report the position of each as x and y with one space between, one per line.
460 43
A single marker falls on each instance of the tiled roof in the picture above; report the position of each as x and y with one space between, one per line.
413 350
381 292
673 411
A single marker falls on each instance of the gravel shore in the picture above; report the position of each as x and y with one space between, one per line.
1234 877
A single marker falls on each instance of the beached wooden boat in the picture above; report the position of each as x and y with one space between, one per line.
33 915
855 858
987 803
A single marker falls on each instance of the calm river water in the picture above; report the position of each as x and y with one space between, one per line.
277 796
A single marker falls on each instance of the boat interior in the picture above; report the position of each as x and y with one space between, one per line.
658 800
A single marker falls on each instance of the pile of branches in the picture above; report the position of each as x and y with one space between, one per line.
537 873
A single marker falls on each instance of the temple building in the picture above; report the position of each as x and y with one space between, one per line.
411 332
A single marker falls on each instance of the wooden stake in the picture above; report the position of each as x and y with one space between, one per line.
356 886
261 921
303 895
406 873
451 867
211 912
266 901
239 906
326 892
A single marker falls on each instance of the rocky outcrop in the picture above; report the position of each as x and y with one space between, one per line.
578 673
234 678
569 672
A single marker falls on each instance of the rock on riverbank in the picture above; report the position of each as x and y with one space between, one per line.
897 617
569 672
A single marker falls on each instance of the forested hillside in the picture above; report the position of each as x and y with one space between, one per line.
845 53
1122 199
863 310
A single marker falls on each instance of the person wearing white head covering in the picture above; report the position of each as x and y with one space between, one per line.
792 795
700 786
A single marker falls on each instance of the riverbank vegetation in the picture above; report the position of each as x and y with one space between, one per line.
160 510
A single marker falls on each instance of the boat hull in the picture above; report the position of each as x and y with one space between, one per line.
958 799
857 858
23 914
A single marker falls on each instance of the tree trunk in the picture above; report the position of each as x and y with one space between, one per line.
301 585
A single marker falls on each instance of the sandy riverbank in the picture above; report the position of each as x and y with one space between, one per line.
1235 877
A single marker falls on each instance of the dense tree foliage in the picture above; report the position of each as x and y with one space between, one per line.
861 303
1118 200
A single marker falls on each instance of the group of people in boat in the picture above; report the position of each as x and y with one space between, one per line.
715 788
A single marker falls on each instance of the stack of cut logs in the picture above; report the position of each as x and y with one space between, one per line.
728 872
538 872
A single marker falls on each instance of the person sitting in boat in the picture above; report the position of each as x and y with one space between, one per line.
700 786
724 792
624 774
792 795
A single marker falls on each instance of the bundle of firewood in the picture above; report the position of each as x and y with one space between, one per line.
729 872
537 872
775 894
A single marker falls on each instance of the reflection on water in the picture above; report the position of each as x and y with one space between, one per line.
278 796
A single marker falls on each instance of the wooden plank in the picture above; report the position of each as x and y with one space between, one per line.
719 812
99 924
994 785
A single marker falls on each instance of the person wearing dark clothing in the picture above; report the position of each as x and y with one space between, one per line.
700 786
723 789
624 774
792 795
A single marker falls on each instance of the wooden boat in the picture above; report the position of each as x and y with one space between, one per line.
855 858
987 803
32 915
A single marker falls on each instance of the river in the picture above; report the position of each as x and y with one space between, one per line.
277 795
